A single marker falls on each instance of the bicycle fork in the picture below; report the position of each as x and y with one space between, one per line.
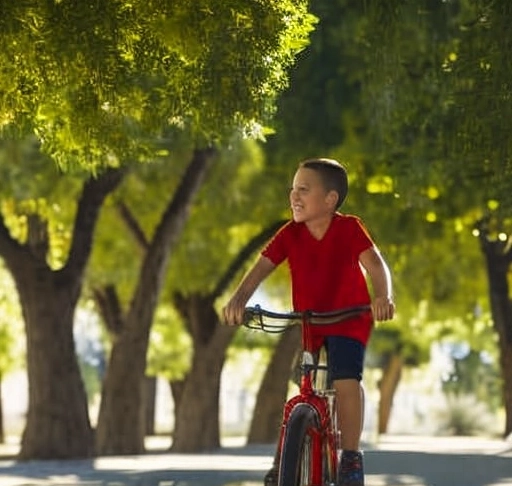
323 460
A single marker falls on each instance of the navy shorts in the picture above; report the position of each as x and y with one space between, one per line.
345 358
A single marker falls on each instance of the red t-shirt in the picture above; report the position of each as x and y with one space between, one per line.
326 274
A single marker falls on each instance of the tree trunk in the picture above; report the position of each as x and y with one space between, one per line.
121 424
391 373
197 408
57 421
150 401
57 425
197 426
498 257
197 416
506 367
121 427
268 410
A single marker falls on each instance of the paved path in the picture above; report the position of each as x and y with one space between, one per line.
395 461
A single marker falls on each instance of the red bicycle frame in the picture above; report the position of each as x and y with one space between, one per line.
321 431
323 403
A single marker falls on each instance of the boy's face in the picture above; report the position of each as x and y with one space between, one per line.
309 200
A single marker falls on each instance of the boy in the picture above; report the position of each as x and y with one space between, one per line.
326 253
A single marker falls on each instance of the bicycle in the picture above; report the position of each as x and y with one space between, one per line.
309 439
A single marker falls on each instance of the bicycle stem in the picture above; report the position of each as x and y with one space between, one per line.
307 365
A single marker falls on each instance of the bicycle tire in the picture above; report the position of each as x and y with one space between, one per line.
296 452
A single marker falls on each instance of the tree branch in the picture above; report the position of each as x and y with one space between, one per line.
133 225
107 300
167 233
256 242
94 192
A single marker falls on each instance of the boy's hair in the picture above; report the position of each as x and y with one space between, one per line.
333 175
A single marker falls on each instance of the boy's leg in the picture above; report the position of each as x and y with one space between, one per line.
346 357
350 405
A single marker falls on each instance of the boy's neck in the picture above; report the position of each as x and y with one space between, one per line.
318 227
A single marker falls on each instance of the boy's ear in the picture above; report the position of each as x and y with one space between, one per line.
332 198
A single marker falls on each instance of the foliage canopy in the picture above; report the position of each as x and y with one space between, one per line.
98 81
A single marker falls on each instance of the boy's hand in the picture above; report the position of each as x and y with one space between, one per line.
383 308
233 312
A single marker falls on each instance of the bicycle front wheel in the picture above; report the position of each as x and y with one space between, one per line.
298 466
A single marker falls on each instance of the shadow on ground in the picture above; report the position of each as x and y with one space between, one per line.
418 464
438 469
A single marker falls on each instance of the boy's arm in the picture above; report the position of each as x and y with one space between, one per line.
383 306
233 312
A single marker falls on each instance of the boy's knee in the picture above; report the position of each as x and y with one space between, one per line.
346 374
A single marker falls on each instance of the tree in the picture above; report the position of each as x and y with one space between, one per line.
100 86
195 289
57 421
124 386
210 242
497 252
197 425
442 107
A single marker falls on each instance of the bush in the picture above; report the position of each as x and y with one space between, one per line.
465 415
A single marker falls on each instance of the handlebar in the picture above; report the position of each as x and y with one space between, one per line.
258 318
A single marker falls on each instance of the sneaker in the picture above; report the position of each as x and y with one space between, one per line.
271 477
351 469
